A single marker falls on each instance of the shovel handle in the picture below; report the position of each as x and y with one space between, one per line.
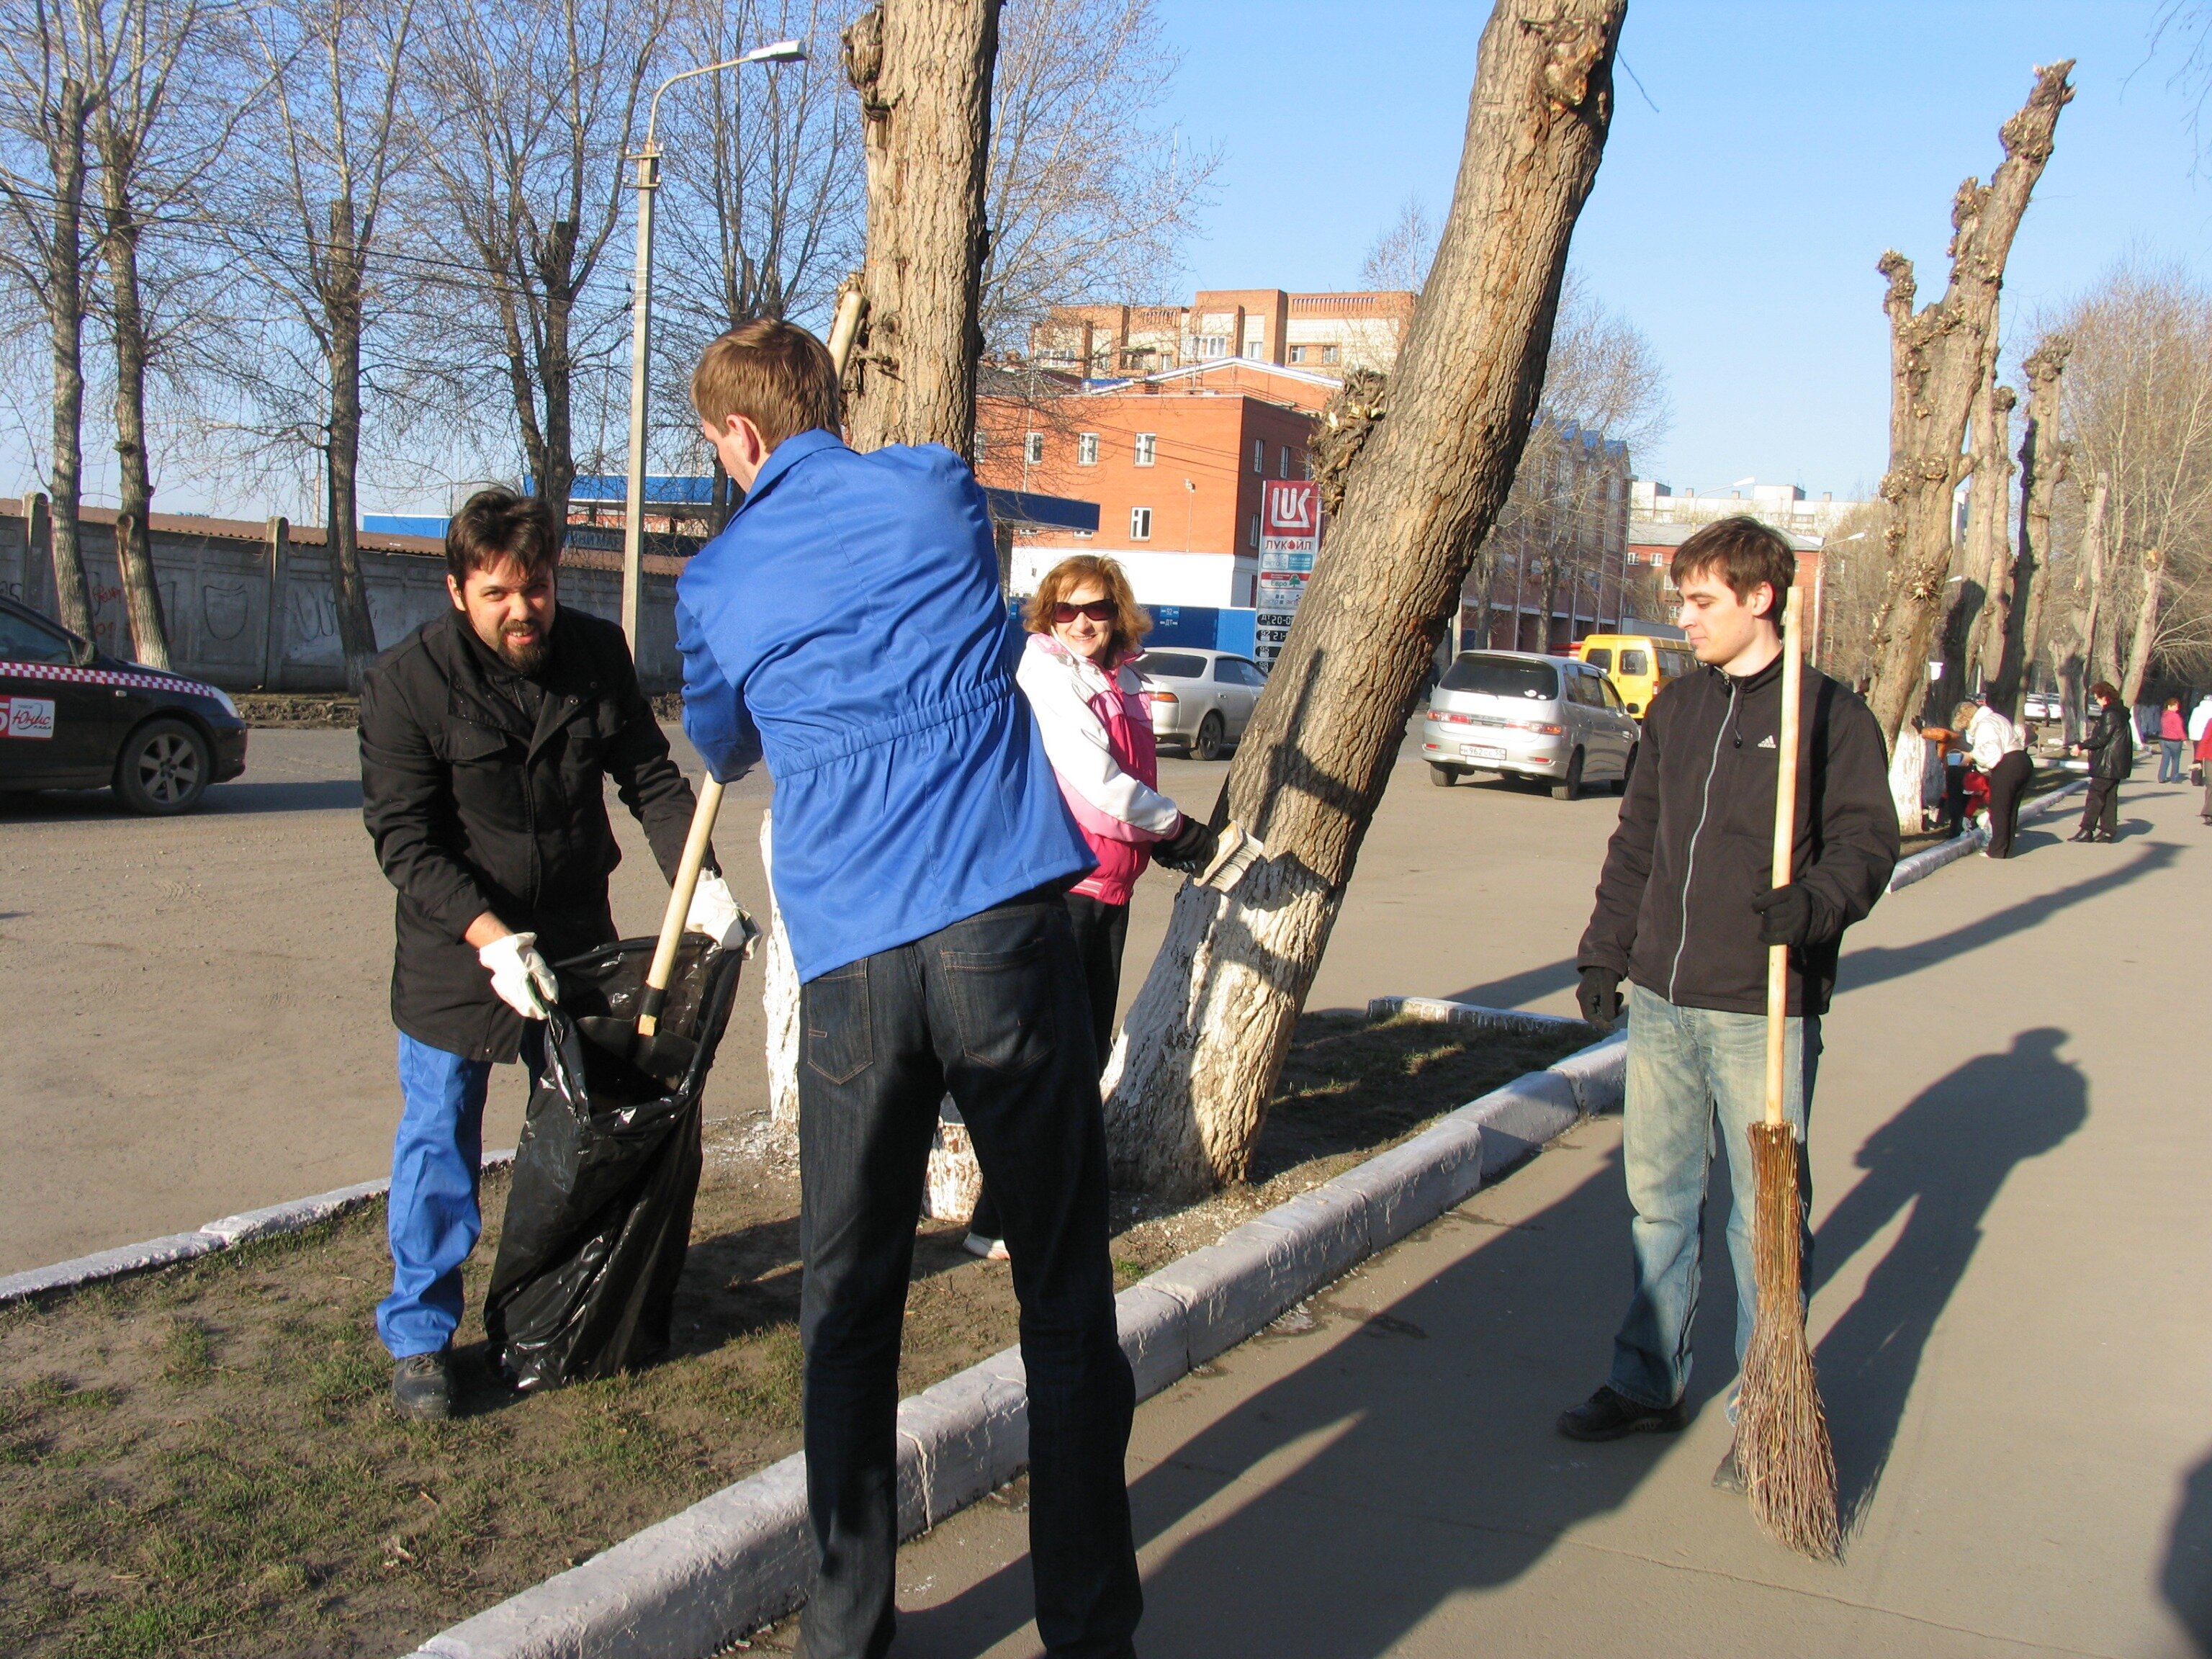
679 907
1785 849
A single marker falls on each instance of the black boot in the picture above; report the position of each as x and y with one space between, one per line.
1608 1416
422 1387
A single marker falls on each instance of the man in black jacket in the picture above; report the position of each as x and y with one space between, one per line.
486 738
2111 746
1686 914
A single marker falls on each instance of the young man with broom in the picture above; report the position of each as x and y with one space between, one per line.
1687 912
846 628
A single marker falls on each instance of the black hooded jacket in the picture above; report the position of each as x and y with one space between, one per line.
2111 744
1696 841
484 791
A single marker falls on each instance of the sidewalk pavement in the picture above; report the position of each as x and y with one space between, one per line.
2011 1155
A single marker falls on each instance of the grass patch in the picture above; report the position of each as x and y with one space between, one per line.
204 1459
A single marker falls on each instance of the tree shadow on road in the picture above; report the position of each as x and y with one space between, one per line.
1944 1157
2185 1579
1871 964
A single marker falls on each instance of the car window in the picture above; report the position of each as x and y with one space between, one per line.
1599 657
1636 662
23 640
1611 697
1224 670
1248 672
1171 666
1501 677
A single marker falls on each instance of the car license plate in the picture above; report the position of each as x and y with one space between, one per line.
1481 752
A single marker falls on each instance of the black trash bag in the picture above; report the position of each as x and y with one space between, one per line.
598 1215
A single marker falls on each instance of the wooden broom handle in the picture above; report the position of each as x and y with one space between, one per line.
1785 848
842 331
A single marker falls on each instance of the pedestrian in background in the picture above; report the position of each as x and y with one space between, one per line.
2111 744
1084 631
1684 915
2200 735
2000 754
2172 734
487 740
1949 743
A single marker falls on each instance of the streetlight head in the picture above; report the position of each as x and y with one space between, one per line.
783 51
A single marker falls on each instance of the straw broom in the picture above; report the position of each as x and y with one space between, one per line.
1782 1434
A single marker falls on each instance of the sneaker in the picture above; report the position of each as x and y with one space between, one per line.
1729 1477
991 1250
1607 1415
422 1387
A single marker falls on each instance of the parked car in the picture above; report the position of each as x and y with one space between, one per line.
2041 706
1637 664
72 717
1530 716
1201 701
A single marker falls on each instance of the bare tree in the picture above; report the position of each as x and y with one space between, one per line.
923 70
1207 1034
328 145
2011 627
523 109
1400 257
1988 524
1854 584
762 185
1938 357
52 69
1086 197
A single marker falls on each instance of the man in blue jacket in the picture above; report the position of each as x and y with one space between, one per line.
846 627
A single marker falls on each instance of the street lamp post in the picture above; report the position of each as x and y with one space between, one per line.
640 325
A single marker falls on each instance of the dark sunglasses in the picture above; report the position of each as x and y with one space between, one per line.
1099 610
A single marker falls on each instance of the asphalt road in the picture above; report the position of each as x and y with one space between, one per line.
199 1017
2011 1152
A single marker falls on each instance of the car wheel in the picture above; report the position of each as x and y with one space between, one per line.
164 768
1627 771
1207 745
1570 785
1443 776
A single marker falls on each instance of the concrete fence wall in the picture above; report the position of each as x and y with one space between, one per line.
258 615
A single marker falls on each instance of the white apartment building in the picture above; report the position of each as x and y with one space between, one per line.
1786 506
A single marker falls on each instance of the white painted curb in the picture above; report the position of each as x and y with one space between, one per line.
740 1558
1925 863
1466 1013
218 1234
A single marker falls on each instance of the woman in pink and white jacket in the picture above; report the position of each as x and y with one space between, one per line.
1085 629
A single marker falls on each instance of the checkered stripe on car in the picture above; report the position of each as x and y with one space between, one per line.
46 670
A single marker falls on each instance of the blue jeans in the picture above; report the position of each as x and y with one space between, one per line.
433 1220
2169 769
995 1010
1696 1077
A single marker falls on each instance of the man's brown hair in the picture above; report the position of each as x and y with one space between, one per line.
1743 553
495 525
775 374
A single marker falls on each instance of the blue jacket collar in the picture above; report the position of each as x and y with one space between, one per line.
784 456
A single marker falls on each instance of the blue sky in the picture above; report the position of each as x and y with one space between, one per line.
1738 225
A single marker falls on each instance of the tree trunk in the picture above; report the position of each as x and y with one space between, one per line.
134 541
342 308
923 70
2146 631
1192 1076
65 315
1936 365
2010 632
2088 623
1983 595
556 464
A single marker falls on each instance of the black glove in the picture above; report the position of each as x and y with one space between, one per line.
1190 849
1599 995
1788 915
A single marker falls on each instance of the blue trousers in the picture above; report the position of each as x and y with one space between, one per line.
433 1220
1696 1079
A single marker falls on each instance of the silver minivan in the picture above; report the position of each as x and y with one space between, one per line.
1201 699
1526 716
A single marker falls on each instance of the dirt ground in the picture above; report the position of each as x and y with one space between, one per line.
202 1460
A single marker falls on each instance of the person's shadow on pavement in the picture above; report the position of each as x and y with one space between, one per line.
1945 1157
2185 1580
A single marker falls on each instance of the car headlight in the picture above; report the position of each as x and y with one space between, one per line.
223 697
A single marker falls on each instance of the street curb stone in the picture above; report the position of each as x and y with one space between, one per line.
741 1558
1926 862
1466 1013
222 1234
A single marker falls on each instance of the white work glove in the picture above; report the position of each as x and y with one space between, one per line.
523 978
716 913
